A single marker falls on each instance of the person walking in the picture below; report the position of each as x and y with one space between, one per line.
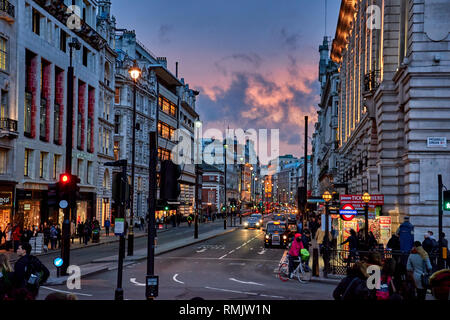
46 231
406 236
16 234
419 265
29 271
58 235
394 242
80 231
8 237
107 226
87 232
353 244
53 237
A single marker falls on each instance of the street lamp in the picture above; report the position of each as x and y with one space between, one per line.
135 74
327 197
225 147
366 199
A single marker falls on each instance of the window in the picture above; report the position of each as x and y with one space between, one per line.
79 168
56 128
27 163
42 164
36 22
116 150
56 160
27 116
63 41
106 142
85 56
88 172
89 133
4 112
165 131
3 161
116 124
43 119
164 154
167 106
117 96
3 54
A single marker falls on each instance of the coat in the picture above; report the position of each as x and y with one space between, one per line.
406 234
417 266
296 246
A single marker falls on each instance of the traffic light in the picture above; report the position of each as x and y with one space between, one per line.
169 186
447 200
68 187
301 195
53 194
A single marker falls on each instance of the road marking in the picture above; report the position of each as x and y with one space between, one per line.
245 243
244 282
133 281
242 292
264 295
69 292
175 279
236 264
203 250
262 251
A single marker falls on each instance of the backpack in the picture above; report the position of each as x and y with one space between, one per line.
383 293
35 274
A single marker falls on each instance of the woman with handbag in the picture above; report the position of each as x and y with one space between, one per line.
420 267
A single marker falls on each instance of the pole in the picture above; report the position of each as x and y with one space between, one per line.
441 260
366 221
119 290
133 157
305 169
196 204
225 180
65 239
152 205
327 243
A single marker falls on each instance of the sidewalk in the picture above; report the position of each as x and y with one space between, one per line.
111 262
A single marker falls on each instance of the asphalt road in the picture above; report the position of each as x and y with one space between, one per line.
234 266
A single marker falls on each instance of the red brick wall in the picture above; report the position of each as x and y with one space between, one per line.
59 99
82 111
91 106
32 84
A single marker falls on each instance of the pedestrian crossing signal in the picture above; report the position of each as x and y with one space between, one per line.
447 200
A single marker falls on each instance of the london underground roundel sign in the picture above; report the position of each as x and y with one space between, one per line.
347 212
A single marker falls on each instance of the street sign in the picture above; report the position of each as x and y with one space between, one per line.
348 212
356 200
119 226
63 204
315 200
58 262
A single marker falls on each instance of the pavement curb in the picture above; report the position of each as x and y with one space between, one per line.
325 280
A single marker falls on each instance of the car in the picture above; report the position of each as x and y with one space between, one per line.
279 217
293 229
292 218
259 217
276 234
252 222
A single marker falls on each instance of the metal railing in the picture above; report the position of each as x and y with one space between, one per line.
8 124
7 7
341 260
372 81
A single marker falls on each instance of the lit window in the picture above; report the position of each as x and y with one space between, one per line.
3 54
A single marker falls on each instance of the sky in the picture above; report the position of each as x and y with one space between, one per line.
255 62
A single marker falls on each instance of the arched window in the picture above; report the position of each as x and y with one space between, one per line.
107 73
106 179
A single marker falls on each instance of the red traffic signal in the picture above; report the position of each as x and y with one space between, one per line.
64 178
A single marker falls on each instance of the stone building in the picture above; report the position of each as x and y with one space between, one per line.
8 110
393 122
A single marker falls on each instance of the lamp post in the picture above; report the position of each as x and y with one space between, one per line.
327 197
225 146
135 74
198 125
71 210
366 199
242 190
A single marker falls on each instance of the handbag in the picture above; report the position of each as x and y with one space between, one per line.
425 277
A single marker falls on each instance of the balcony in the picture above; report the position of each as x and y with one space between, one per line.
372 81
7 11
8 127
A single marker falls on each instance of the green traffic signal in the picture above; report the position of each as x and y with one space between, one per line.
166 208
447 206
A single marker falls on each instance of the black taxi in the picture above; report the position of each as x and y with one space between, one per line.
276 234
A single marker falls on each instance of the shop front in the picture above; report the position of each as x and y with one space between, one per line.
6 203
31 208
85 207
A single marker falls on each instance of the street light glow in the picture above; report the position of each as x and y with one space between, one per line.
135 72
366 197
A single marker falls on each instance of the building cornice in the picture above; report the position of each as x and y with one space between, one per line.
345 24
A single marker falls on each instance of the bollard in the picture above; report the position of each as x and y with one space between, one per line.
316 262
224 224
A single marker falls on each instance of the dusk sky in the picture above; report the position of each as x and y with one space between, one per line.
255 62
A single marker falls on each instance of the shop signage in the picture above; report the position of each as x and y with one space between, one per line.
119 226
356 200
5 199
348 212
437 142
27 206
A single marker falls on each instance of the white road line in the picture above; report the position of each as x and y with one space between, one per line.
175 279
133 281
203 250
264 295
244 282
76 293
262 251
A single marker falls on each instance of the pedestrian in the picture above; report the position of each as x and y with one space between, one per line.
58 235
80 231
16 234
6 277
444 243
107 225
372 241
419 265
8 237
354 285
394 242
189 219
387 290
87 232
53 237
142 223
29 271
46 231
406 236
353 244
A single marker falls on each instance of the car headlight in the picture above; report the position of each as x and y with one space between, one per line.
284 237
267 236
257 223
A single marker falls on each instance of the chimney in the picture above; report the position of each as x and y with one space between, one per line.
162 60
176 69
